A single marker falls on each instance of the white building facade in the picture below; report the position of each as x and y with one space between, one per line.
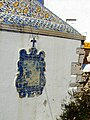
59 44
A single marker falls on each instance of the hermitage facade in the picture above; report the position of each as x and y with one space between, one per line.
37 49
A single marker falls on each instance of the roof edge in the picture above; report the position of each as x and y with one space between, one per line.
31 30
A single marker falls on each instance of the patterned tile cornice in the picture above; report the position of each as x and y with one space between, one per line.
25 13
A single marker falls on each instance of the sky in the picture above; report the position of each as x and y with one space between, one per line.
73 9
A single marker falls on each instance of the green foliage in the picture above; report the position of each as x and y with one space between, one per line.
78 109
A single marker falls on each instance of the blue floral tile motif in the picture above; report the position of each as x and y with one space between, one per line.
31 80
41 1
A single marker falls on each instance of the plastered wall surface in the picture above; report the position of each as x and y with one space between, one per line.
60 52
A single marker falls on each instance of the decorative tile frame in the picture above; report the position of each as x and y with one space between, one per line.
31 80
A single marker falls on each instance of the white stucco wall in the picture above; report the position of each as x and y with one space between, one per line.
60 52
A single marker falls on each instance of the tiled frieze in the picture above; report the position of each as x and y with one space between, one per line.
25 13
33 22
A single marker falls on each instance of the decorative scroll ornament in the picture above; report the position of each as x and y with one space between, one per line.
31 67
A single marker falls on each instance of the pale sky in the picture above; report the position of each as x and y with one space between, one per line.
73 9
